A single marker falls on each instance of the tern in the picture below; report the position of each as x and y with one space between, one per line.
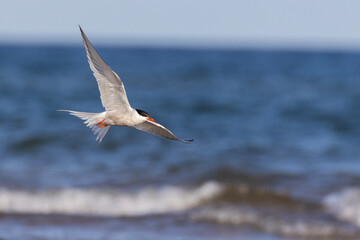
118 111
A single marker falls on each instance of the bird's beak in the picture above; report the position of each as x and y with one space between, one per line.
151 119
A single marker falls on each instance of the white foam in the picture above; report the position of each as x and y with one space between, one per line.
106 202
270 223
345 204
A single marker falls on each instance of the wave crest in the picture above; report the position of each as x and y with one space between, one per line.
106 202
345 205
282 225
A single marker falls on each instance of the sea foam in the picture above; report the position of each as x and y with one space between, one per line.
277 224
345 204
106 202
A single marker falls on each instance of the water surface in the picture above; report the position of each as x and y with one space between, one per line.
276 150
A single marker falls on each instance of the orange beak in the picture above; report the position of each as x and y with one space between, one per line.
151 119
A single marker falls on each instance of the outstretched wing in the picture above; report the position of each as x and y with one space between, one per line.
159 130
112 90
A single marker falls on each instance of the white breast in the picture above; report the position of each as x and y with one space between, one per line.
123 118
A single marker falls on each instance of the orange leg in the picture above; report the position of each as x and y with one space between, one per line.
100 122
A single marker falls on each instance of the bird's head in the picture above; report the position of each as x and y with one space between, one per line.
145 114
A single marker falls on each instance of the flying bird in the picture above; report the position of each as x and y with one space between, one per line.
118 111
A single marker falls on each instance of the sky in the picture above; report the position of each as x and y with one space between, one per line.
234 23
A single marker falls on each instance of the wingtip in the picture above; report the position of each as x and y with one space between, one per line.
81 31
188 141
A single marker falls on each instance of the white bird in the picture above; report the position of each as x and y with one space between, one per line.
118 111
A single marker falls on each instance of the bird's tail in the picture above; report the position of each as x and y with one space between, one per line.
92 121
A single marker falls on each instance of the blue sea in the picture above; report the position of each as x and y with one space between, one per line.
276 151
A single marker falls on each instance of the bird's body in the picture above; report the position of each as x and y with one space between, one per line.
118 111
122 118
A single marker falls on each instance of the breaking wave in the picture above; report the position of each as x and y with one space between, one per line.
345 205
150 200
276 223
239 205
106 202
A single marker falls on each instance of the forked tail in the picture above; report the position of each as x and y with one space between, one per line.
91 120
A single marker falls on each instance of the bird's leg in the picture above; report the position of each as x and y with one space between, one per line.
101 126
100 122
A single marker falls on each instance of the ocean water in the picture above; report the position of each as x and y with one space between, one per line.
276 152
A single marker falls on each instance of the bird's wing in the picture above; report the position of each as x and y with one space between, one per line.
159 130
112 90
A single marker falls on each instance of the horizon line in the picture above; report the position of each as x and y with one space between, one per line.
194 43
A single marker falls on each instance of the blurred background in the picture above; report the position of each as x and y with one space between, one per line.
269 90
